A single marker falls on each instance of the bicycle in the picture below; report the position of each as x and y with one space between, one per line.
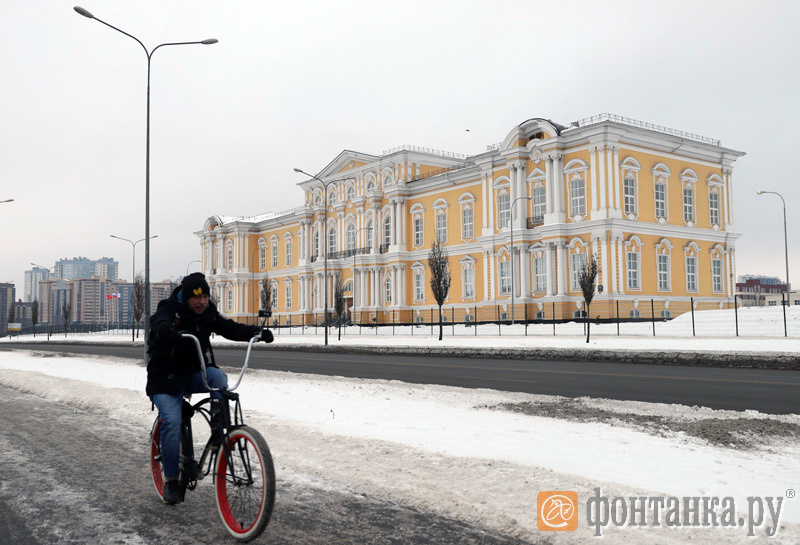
243 472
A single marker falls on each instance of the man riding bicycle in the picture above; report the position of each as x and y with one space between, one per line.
174 369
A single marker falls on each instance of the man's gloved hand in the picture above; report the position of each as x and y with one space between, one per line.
266 335
166 330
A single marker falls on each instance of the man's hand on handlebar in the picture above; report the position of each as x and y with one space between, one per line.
166 330
266 335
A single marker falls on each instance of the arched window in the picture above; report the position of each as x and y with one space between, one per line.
351 237
351 193
369 234
387 230
388 285
332 240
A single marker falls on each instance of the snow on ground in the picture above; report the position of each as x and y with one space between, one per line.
447 451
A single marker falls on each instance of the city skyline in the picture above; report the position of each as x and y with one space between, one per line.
291 86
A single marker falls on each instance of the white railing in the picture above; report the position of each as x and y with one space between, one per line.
643 125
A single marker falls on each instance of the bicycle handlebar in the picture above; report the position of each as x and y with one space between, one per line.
203 361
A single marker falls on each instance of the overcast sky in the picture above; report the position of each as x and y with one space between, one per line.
292 84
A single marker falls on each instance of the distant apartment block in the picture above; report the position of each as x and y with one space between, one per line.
759 291
83 267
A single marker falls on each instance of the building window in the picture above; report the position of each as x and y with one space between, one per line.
688 205
577 263
505 277
418 230
274 289
351 193
288 295
262 257
388 285
661 200
635 313
468 280
540 273
629 192
691 273
663 272
539 204
230 258
274 254
387 230
577 198
441 226
316 242
666 314
419 285
288 242
633 271
369 234
351 236
504 210
332 241
716 275
230 300
713 208
467 226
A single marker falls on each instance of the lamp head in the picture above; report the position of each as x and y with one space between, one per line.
298 171
83 12
209 41
760 193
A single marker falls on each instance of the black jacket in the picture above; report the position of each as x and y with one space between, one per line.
172 361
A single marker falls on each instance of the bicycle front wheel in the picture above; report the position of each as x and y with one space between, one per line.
245 483
156 470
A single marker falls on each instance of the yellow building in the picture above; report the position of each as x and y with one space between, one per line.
654 205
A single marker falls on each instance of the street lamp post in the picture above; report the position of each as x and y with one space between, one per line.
133 275
7 200
513 287
785 241
325 242
187 265
147 236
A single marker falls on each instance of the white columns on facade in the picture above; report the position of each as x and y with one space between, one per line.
603 181
550 260
620 261
616 180
592 205
525 266
602 243
563 276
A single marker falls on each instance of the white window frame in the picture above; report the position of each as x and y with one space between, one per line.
419 284
577 261
504 275
387 284
467 222
468 279
633 268
419 230
351 236
333 240
539 202
441 225
688 204
274 247
577 197
287 290
274 288
288 250
262 256
662 268
713 208
691 273
660 200
539 272
387 230
503 209
716 275
629 195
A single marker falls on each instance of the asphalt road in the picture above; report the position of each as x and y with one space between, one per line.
72 476
765 390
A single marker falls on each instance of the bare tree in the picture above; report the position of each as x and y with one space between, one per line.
439 263
65 311
338 302
266 294
35 315
586 278
137 302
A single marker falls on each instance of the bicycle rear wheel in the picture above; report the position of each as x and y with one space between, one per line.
156 470
245 483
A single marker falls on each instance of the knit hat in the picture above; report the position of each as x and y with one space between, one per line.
194 284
